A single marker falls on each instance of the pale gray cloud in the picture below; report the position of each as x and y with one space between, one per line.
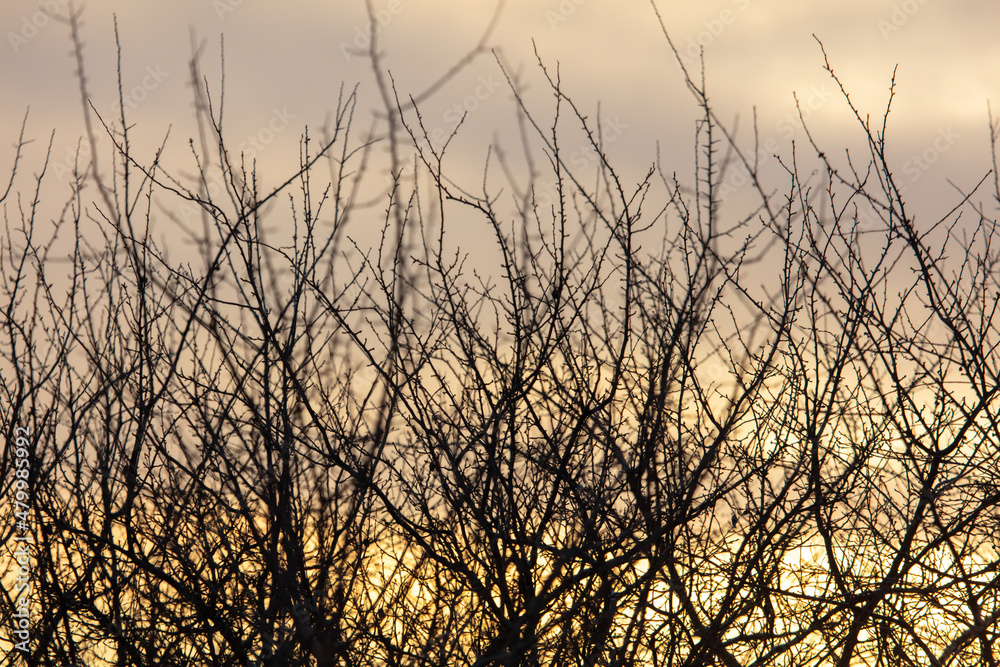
291 58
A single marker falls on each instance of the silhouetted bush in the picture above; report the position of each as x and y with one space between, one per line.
615 446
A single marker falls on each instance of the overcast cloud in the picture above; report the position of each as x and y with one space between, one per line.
285 63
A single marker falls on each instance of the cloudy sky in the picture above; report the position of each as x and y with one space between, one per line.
285 64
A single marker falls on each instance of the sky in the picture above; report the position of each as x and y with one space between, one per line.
285 64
